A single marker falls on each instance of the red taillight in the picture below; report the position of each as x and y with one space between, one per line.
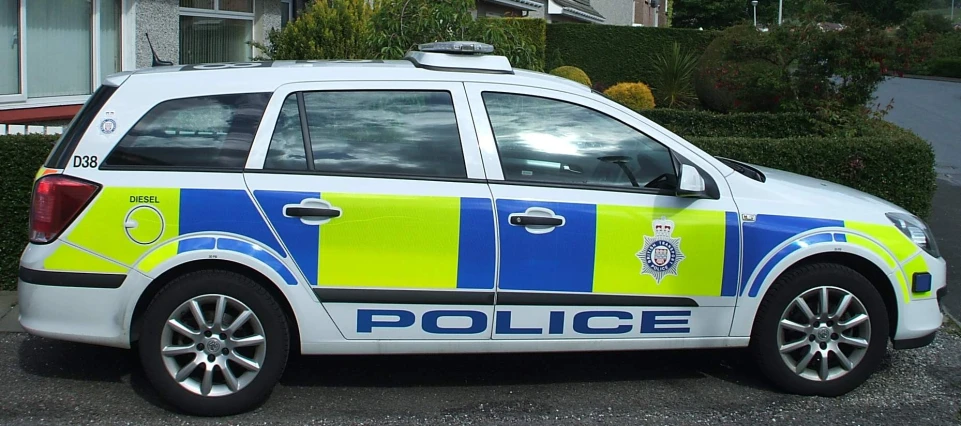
57 200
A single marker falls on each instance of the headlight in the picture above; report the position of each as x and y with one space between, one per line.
917 231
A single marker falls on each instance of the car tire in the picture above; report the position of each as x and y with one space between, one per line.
792 357
226 348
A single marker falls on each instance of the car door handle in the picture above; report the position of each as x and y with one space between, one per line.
295 211
525 220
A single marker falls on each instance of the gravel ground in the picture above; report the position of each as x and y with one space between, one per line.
49 382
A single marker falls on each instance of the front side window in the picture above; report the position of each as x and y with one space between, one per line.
405 133
208 132
550 141
216 31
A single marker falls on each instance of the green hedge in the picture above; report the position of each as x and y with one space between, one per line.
21 157
898 167
534 32
948 67
612 54
689 123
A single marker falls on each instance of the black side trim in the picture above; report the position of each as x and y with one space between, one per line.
71 279
413 297
570 299
943 291
916 342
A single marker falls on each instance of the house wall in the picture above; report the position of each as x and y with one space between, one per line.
644 14
615 12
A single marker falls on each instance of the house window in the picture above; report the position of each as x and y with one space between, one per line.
48 47
286 12
216 31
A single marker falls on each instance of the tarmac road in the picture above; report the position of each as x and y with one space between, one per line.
49 382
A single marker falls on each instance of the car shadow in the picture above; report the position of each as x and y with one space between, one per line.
83 362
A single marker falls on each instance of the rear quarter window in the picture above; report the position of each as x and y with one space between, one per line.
204 132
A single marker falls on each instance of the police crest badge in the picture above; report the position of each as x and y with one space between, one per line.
661 253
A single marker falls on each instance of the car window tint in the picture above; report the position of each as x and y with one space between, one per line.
201 132
406 133
552 141
287 150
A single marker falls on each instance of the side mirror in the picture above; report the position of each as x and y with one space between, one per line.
691 183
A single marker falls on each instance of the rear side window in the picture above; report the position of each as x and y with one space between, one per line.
205 132
390 133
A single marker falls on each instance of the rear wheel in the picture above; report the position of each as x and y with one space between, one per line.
821 330
214 343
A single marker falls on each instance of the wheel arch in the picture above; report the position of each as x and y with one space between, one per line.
136 320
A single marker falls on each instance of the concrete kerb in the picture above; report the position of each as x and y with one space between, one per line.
931 77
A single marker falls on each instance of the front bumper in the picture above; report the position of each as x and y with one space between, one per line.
95 314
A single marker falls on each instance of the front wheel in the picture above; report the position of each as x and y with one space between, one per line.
822 329
214 343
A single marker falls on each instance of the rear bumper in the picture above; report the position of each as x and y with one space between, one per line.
78 307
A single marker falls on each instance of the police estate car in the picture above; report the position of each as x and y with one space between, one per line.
220 216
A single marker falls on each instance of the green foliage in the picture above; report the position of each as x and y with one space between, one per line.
636 96
897 166
885 12
530 33
674 86
23 156
687 123
709 14
611 54
572 73
949 67
794 67
336 29
400 25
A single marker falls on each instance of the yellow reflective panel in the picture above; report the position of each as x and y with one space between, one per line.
887 235
72 259
157 256
124 223
876 249
917 264
688 260
390 241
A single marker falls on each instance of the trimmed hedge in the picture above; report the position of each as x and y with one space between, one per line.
612 54
22 156
946 67
689 123
898 167
533 31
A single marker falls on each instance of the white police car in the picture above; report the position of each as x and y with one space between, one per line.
220 216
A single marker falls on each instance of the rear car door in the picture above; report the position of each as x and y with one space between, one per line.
594 241
378 191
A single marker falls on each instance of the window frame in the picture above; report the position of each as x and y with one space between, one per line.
216 13
468 138
680 153
95 72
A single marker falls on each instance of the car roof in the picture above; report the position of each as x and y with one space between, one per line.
265 74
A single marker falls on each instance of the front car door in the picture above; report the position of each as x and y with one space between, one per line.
594 242
386 212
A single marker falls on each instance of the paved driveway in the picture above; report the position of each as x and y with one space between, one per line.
932 109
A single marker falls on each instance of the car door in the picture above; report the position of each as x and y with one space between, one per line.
378 191
594 239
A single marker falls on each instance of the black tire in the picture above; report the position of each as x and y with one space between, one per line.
764 337
241 288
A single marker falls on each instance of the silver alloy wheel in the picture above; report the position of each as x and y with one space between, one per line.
827 341
213 345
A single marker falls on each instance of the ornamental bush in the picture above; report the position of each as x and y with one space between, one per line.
636 96
336 29
572 73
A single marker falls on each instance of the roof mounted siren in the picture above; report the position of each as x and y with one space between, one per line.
463 56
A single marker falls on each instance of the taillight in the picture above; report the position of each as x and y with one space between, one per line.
57 200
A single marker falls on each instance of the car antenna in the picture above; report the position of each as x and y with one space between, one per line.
156 60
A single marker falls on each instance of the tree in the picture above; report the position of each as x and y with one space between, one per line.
709 14
888 12
331 29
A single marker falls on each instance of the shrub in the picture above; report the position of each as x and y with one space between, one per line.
336 29
572 73
533 35
740 71
612 53
636 96
896 166
400 25
945 67
687 123
674 85
22 156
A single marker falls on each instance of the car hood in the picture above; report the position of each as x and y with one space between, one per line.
818 191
